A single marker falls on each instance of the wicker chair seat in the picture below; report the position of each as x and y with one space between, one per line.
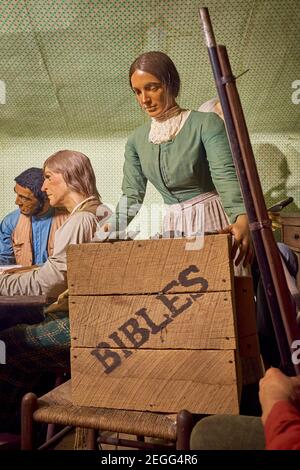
56 407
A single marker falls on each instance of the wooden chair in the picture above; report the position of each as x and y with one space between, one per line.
56 407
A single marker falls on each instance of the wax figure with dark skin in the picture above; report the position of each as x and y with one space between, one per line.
186 156
33 351
27 234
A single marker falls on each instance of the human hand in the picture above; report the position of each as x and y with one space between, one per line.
276 219
242 239
274 387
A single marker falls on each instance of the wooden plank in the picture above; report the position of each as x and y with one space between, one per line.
149 266
239 374
246 317
165 381
290 218
291 236
252 369
180 321
248 345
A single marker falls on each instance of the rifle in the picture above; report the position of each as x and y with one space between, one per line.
281 305
280 205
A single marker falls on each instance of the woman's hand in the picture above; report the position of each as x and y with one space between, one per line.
242 239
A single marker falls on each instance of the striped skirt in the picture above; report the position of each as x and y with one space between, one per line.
201 214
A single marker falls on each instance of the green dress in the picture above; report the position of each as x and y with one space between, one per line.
198 160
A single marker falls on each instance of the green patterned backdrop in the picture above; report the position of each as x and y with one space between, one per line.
64 80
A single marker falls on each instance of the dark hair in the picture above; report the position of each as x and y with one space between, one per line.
161 66
76 169
33 179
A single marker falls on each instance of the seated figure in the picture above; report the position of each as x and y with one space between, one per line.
37 349
81 200
27 234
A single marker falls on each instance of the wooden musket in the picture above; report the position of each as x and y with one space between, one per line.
280 302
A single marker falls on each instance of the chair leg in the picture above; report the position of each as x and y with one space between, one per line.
28 407
53 429
91 439
184 429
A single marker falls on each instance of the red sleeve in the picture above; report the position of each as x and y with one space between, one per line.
282 428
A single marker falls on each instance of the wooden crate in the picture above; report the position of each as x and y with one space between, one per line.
153 326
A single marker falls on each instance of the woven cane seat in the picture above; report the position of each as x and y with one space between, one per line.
56 407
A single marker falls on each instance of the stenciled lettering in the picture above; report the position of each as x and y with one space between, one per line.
114 336
132 330
184 281
154 329
109 359
170 301
138 335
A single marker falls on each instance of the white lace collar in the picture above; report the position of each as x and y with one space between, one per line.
161 132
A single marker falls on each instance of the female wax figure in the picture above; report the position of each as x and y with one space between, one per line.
186 156
33 350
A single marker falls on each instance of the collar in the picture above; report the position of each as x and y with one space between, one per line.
81 204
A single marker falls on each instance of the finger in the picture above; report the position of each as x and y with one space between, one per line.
226 229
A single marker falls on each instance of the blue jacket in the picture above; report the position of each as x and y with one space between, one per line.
40 233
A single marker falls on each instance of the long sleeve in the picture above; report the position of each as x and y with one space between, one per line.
6 229
282 428
51 278
133 189
221 166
